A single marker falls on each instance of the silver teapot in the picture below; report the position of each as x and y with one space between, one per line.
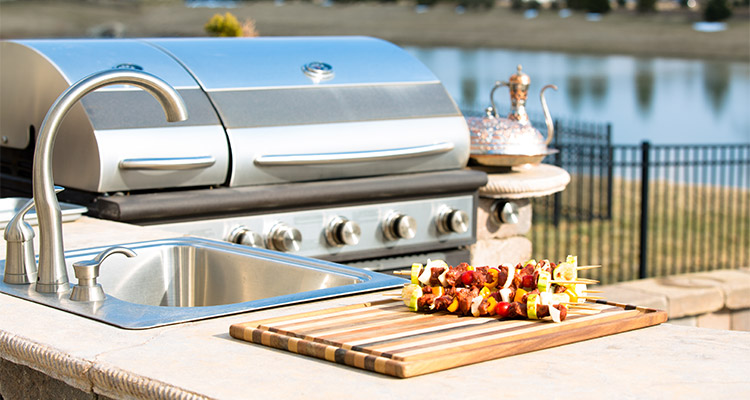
511 141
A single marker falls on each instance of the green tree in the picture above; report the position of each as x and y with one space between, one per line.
717 10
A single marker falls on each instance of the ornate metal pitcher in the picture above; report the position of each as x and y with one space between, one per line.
513 140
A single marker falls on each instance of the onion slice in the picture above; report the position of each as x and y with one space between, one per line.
511 273
505 294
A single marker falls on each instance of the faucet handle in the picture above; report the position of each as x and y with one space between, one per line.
20 266
88 271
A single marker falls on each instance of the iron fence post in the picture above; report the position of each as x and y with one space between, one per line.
557 197
643 256
610 170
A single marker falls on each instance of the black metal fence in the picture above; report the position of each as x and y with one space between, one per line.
647 210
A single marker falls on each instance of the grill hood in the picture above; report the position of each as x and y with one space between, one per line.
261 111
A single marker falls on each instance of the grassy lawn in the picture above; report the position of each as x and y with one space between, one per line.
690 228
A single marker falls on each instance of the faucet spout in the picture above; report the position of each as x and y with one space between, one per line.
52 274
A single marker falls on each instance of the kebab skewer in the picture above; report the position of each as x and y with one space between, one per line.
524 291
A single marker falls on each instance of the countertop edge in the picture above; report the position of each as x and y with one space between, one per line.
86 375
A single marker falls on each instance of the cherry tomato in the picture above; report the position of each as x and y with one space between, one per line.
528 281
501 309
467 277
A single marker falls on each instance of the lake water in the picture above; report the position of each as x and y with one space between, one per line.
666 101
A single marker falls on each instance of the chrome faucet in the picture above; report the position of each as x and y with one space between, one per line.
52 275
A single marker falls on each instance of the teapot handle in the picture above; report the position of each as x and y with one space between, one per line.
492 97
547 117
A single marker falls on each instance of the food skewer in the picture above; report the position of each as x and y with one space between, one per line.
589 306
584 267
579 280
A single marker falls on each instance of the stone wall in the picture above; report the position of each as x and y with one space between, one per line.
716 299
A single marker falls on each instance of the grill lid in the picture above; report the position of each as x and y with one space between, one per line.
261 111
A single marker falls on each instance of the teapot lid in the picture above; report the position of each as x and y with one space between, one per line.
520 78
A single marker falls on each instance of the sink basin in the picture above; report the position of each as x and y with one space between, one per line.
185 279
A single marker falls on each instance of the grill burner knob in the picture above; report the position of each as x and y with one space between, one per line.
399 226
341 232
450 220
505 212
243 235
284 238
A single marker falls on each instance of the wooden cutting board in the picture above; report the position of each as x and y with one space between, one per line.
385 337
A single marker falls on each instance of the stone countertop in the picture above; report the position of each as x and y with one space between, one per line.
200 359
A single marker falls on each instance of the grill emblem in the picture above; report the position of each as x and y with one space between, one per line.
134 67
318 71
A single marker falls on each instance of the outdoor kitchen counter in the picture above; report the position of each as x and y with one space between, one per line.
201 359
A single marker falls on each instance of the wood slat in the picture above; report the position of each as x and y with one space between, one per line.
385 337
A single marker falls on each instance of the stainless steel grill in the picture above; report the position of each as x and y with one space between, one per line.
341 148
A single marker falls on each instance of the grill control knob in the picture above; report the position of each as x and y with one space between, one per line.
505 212
341 231
399 226
450 220
243 235
284 238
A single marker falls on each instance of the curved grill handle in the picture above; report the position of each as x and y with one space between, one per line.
173 164
353 156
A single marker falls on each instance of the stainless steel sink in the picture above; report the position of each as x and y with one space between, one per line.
186 279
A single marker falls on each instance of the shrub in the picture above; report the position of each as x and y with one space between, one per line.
598 6
645 6
577 4
228 25
474 4
717 10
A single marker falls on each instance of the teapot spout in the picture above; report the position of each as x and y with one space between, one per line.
547 116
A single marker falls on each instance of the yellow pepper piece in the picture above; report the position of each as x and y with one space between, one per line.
531 305
454 305
485 292
438 291
572 295
492 305
495 279
519 295
470 268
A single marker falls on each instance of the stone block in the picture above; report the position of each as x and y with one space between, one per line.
500 251
741 320
721 319
734 283
686 294
488 226
621 293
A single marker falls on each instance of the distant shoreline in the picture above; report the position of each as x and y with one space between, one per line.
664 34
